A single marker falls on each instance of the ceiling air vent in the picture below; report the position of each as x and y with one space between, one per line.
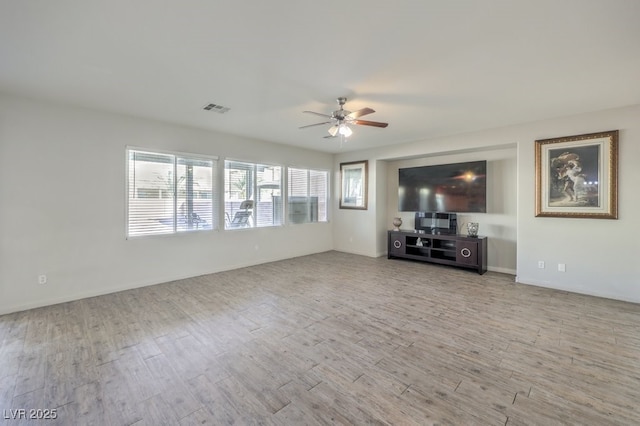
216 108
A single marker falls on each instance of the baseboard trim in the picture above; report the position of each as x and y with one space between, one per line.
602 294
500 270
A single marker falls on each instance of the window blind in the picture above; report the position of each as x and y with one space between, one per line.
169 193
307 195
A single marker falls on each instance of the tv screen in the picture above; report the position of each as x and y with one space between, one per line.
459 187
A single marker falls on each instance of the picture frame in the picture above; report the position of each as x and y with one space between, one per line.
577 176
353 185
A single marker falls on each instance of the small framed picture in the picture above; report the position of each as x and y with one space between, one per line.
577 176
353 185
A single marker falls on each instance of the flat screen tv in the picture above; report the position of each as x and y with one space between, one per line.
458 188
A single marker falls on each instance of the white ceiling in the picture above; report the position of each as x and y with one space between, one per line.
428 67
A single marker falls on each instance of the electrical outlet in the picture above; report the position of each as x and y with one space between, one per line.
42 279
541 264
562 267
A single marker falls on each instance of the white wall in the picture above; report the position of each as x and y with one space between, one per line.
354 229
599 254
62 211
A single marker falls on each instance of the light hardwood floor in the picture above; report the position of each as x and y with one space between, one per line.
331 338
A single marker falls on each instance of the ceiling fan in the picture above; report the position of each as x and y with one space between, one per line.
341 119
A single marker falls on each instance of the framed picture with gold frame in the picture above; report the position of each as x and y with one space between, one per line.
577 176
353 185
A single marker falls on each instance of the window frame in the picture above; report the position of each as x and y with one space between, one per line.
328 192
255 192
176 156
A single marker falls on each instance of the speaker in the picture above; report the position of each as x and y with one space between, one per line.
467 252
397 245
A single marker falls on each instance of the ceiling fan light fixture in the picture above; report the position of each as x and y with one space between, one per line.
345 131
333 130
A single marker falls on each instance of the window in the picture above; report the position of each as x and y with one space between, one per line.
252 195
169 193
308 195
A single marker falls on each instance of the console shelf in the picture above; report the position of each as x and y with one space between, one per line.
453 250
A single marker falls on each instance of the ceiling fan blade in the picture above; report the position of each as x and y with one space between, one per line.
317 113
360 112
317 124
370 123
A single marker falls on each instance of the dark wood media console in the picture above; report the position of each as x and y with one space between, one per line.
453 250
